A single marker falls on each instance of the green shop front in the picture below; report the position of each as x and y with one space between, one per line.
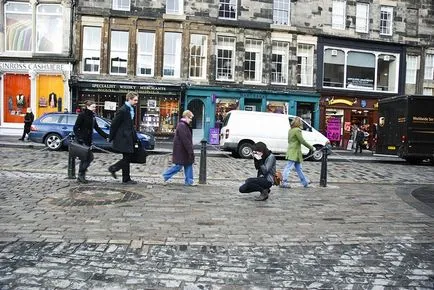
210 105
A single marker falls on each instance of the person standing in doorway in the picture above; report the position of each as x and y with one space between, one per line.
124 137
294 155
83 131
28 121
360 137
183 155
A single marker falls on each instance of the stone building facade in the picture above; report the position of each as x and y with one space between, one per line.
319 59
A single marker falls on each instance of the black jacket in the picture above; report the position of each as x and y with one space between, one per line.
83 128
122 131
28 120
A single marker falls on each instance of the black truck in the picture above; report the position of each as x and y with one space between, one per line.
406 127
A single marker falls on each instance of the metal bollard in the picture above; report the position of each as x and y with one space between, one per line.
323 177
71 167
202 169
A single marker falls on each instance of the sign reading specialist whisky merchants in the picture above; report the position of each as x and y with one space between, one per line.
37 67
125 88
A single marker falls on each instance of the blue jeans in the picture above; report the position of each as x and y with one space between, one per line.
188 172
298 169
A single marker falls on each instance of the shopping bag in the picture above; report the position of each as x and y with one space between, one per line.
139 155
81 151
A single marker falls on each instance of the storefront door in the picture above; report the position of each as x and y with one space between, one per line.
198 123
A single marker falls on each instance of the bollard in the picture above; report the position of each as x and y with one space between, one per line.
71 167
202 169
323 177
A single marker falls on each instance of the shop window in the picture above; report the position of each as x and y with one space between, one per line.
91 49
277 107
253 61
118 52
228 9
338 14
279 63
429 67
49 94
362 17
18 26
225 58
386 20
49 25
386 73
172 55
145 53
360 70
16 98
410 76
159 115
123 5
334 67
223 106
174 6
198 57
305 64
281 12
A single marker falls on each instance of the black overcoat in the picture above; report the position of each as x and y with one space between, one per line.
122 131
28 120
183 145
84 125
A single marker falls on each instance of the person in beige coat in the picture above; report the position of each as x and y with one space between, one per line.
293 154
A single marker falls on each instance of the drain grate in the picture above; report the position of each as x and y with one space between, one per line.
93 195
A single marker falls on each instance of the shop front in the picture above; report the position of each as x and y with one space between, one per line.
212 104
157 110
342 113
43 87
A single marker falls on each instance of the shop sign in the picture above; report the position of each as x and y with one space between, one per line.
110 106
340 101
363 103
334 129
347 126
37 67
141 89
252 96
214 136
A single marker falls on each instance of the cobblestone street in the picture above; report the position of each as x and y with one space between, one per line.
364 231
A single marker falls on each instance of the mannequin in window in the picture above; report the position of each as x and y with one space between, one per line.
10 104
52 100
21 101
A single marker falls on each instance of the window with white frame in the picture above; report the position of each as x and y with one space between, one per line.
228 9
386 20
145 53
428 91
172 54
338 14
225 58
198 49
49 25
123 5
174 6
429 67
279 62
362 17
281 12
410 76
253 61
18 20
118 52
91 49
305 64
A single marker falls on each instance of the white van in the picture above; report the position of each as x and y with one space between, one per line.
242 129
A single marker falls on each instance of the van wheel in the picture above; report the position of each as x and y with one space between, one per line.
317 156
245 150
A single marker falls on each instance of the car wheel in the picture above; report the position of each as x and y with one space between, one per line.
53 141
245 150
318 154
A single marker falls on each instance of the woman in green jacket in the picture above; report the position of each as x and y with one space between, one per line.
293 155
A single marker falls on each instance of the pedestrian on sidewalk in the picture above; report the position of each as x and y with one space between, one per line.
83 131
294 155
360 137
28 121
183 154
265 163
124 137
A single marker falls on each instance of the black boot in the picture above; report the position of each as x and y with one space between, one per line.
82 177
264 195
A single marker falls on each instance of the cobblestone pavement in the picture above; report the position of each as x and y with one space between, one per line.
360 232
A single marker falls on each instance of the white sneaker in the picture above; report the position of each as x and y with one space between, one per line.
192 184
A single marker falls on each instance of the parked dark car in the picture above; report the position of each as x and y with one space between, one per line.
51 128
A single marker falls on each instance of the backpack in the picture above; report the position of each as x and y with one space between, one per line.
277 178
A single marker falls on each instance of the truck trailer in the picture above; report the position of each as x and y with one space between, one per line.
406 127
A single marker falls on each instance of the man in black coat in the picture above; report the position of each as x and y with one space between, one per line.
124 137
28 120
83 131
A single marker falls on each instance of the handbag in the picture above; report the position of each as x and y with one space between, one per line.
277 177
139 155
79 150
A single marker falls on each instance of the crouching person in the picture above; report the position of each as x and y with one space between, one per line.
265 163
